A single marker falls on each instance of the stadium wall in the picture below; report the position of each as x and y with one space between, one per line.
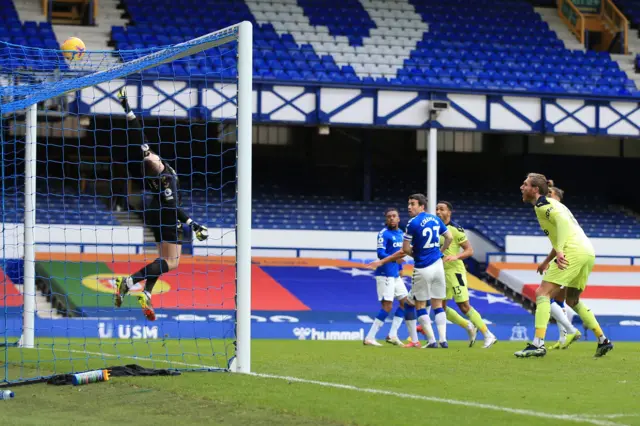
276 243
270 242
603 247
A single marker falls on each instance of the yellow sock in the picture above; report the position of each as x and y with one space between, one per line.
455 318
476 320
543 313
588 319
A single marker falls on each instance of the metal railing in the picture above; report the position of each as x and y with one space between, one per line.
612 16
574 19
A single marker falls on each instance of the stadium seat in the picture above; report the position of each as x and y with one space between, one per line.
429 43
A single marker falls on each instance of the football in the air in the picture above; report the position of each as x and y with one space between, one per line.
73 49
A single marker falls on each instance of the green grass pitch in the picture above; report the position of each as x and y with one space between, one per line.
347 383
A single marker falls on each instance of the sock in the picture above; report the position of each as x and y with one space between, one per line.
543 313
150 283
131 116
154 269
425 322
129 283
397 320
476 319
377 324
441 323
563 323
589 320
410 321
455 318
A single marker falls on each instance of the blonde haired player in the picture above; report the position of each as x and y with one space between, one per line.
456 277
568 333
575 258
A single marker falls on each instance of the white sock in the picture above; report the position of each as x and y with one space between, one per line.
537 342
395 325
562 332
130 115
429 311
570 313
425 322
129 282
602 338
375 327
558 314
441 325
411 327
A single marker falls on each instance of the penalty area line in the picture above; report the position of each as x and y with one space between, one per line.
566 417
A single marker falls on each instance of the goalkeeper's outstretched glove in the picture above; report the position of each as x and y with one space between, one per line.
201 231
122 96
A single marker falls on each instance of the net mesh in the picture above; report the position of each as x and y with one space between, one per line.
94 209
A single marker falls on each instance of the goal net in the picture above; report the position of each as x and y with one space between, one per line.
126 207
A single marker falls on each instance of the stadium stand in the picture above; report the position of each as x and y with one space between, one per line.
504 215
28 33
58 206
479 45
631 9
32 34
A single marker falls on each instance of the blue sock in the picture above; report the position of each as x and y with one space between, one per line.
561 304
410 313
400 312
422 312
437 311
382 315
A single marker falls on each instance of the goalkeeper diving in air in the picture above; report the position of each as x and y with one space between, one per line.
162 214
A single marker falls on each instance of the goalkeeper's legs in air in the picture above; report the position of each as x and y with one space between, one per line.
169 252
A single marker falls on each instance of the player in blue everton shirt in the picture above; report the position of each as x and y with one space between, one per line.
422 242
389 284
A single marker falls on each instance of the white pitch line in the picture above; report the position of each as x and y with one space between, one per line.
539 414
138 358
567 417
608 416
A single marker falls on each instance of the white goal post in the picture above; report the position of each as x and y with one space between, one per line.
25 99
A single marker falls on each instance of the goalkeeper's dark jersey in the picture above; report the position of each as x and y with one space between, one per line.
162 199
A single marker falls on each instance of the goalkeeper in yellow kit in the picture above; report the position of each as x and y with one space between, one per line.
575 258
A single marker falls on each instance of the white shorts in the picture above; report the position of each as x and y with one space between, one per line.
390 288
429 283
